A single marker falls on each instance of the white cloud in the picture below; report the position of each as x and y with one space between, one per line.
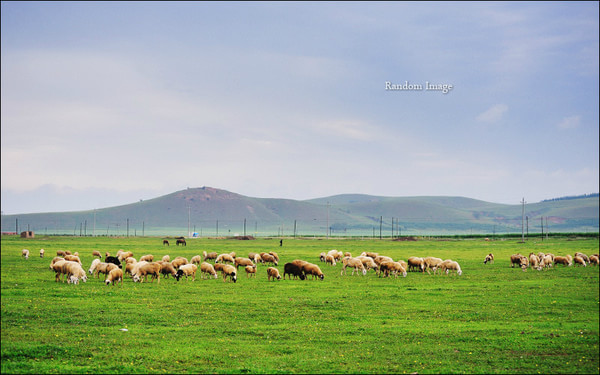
493 114
571 122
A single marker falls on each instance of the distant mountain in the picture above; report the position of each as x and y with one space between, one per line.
211 211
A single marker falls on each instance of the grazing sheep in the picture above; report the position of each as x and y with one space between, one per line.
42 252
96 253
166 258
232 254
489 258
113 260
450 265
415 263
147 258
579 260
219 267
166 269
524 263
115 275
337 255
273 272
243 262
60 253
124 255
323 257
250 271
133 260
274 255
540 256
57 267
146 269
54 260
104 268
187 270
594 259
268 258
251 255
73 272
208 256
380 259
534 262
515 259
208 269
431 262
229 270
583 256
224 258
315 271
179 261
329 259
93 266
67 252
369 254
196 259
562 260
356 264
392 267
368 263
348 254
257 259
546 262
25 253
73 258
293 269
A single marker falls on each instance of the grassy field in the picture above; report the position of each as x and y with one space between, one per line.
492 319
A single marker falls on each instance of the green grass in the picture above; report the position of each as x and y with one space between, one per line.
492 319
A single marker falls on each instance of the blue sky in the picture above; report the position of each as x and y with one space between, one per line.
108 103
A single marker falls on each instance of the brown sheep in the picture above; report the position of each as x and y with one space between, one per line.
594 259
124 255
534 262
229 270
104 268
370 254
73 258
392 267
250 271
208 269
224 258
416 263
57 267
60 253
115 275
329 259
323 257
166 258
273 272
274 255
179 261
562 260
381 258
579 260
243 262
166 269
489 258
268 258
142 272
196 259
293 269
96 253
515 259
146 258
208 256
314 270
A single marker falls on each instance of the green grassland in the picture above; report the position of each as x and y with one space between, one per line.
492 319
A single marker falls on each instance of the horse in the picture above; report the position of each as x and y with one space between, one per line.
165 242
181 242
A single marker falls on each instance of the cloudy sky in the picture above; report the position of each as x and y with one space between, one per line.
108 103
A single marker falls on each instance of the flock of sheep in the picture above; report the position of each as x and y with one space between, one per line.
385 266
540 261
68 267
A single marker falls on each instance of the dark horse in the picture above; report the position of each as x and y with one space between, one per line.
181 242
166 242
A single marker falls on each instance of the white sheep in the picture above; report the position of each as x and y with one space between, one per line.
25 253
368 262
93 266
594 259
224 258
96 253
416 263
196 259
431 262
166 258
142 272
450 265
579 260
74 272
329 259
42 251
229 270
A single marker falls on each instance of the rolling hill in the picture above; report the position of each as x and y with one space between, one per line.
210 211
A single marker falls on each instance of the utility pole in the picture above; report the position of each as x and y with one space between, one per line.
189 233
547 227
127 227
527 220
94 229
244 227
523 220
542 219
380 225
327 220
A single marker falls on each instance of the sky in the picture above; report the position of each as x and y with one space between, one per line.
107 103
